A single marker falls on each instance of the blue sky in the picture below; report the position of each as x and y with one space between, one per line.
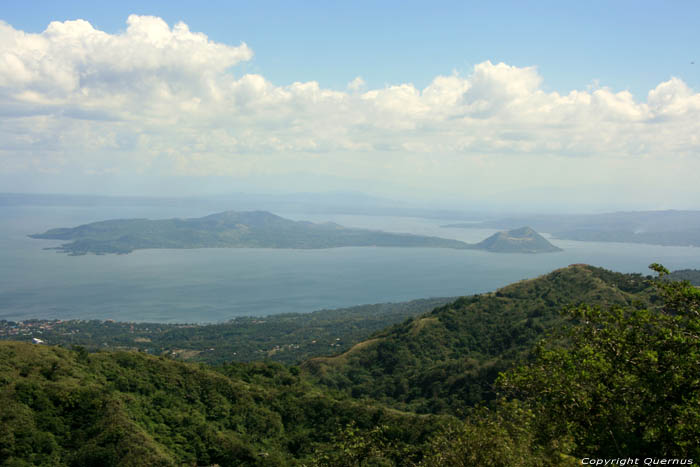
595 94
624 44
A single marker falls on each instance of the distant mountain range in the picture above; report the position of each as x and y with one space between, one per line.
680 228
309 203
261 229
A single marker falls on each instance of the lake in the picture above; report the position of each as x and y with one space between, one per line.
214 285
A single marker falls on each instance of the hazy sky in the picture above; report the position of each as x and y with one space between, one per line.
588 103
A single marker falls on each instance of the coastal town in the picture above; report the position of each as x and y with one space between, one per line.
199 342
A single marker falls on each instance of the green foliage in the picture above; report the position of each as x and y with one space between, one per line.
378 446
447 360
627 382
63 407
502 437
618 375
288 338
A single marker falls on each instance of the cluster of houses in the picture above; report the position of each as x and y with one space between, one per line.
23 329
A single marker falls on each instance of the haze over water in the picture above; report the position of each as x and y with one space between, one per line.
213 285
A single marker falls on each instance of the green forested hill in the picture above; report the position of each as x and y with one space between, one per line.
63 407
288 338
446 360
615 380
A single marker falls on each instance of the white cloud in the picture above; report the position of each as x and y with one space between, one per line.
167 99
356 84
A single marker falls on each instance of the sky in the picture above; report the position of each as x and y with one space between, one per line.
587 105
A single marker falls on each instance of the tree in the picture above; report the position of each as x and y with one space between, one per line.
624 383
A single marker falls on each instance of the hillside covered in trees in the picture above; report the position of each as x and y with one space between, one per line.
446 360
70 407
581 362
288 338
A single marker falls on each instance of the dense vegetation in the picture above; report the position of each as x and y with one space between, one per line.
288 338
62 407
230 229
616 375
627 382
446 361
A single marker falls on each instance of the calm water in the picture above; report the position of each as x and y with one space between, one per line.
211 285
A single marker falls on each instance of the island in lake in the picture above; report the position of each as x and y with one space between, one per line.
260 229
522 240
669 228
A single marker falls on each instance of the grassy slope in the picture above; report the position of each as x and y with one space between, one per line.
445 361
